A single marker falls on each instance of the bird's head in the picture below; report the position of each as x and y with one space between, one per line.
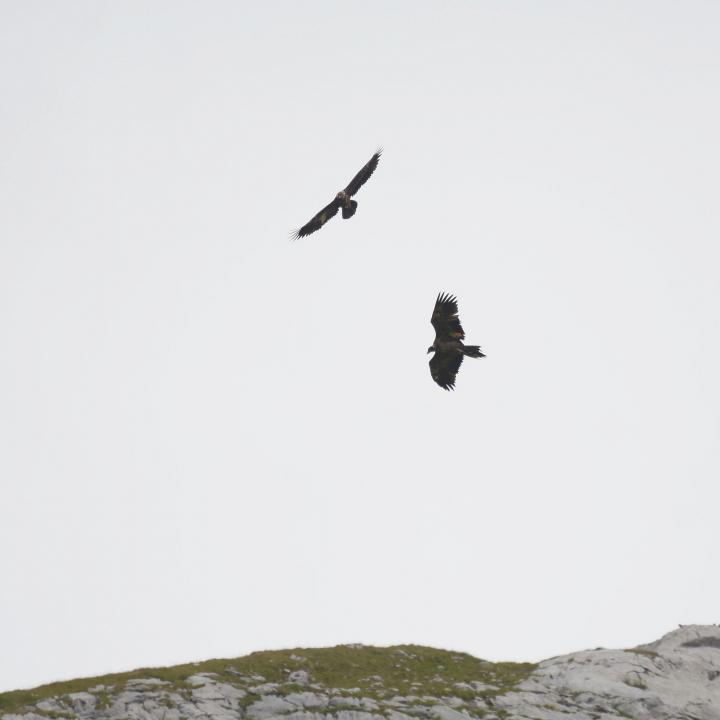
430 349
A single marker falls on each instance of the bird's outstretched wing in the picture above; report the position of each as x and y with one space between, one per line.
364 175
444 367
445 318
318 221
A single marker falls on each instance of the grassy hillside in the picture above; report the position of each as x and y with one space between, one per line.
376 672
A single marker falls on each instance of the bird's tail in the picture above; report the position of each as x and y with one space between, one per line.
349 211
472 351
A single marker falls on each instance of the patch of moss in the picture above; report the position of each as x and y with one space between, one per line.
641 651
104 698
636 683
166 701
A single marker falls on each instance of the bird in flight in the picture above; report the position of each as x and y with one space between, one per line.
448 346
341 200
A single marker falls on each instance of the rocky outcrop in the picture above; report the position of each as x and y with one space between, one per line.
675 678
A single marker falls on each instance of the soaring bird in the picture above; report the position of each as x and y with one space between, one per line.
448 346
341 200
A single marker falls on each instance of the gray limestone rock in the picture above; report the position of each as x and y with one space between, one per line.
307 700
269 706
339 701
142 683
356 715
369 704
299 677
51 706
221 692
443 712
666 680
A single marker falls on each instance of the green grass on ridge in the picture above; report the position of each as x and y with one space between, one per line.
404 669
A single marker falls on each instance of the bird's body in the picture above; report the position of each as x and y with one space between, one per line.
342 201
448 347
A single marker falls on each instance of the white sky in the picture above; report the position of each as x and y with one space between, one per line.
213 440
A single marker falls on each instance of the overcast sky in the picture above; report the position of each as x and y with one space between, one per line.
214 440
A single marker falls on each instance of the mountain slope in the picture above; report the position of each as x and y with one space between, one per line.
675 678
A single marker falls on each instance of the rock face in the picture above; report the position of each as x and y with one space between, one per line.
675 678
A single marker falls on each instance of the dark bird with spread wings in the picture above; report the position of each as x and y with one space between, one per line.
448 346
341 201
